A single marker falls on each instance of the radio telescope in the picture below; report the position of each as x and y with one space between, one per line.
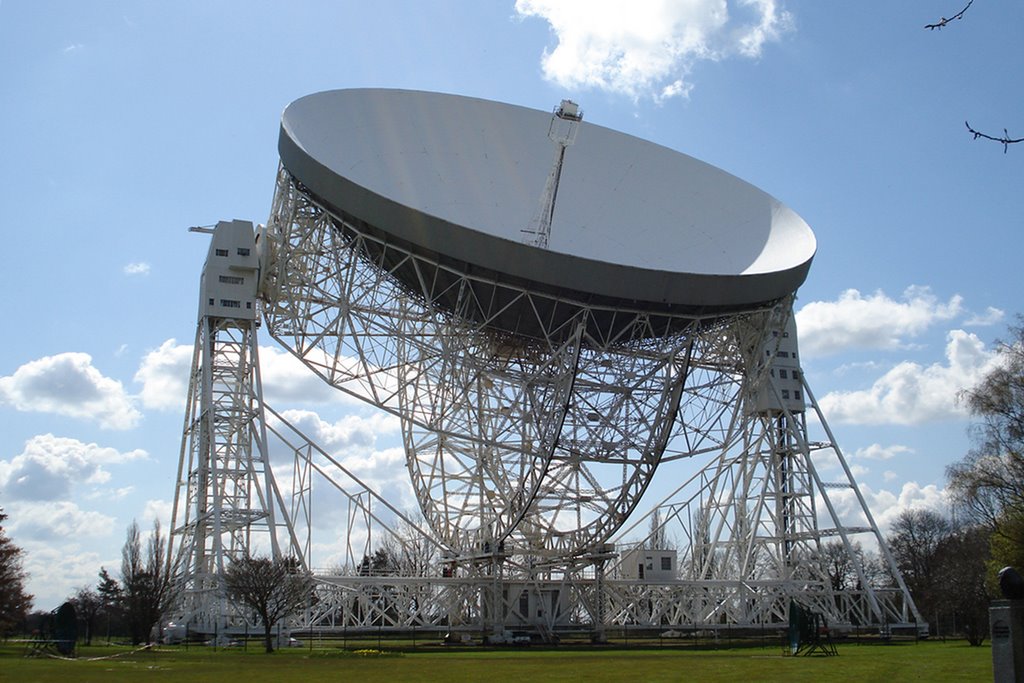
550 335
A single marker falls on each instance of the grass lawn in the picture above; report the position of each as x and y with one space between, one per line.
924 661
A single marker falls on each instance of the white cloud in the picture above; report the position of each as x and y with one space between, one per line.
50 466
68 384
164 374
138 268
286 380
647 48
872 322
991 316
859 471
156 510
110 495
879 452
353 441
351 432
911 394
47 521
56 571
885 505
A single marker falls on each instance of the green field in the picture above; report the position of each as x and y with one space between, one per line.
910 661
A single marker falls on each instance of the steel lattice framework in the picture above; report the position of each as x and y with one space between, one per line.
538 449
548 442
529 454
226 499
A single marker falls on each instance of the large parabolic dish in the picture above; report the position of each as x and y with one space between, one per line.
458 178
538 388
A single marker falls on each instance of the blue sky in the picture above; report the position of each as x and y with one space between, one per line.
123 123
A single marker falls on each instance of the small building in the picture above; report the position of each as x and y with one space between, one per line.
535 604
647 564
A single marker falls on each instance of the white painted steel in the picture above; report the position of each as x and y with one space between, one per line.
539 390
460 177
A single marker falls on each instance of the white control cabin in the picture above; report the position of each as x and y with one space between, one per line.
230 276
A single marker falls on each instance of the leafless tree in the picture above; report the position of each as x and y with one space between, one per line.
915 539
657 537
411 552
274 589
146 588
88 605
842 565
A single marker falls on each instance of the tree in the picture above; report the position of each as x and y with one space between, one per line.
915 540
109 591
876 570
962 560
14 601
382 562
88 605
146 586
841 565
988 484
944 567
407 551
274 589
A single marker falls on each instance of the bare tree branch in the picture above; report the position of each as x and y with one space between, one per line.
944 21
1005 140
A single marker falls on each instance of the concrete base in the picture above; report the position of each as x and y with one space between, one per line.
1006 618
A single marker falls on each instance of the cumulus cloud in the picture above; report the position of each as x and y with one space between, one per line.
351 432
991 316
55 571
859 470
110 494
885 505
855 321
913 394
647 48
50 466
287 380
57 520
353 441
164 374
138 268
158 510
68 384
879 452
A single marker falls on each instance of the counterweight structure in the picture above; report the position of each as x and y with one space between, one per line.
226 500
535 417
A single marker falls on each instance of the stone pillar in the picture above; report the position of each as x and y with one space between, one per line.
1006 618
